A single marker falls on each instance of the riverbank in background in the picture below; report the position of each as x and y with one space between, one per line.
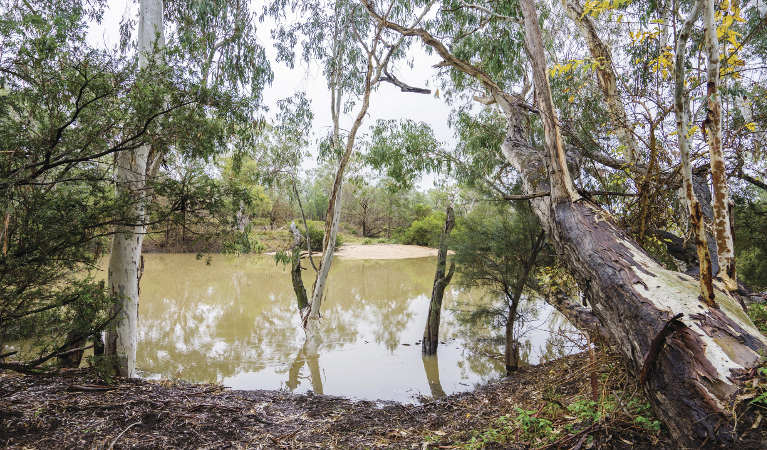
546 405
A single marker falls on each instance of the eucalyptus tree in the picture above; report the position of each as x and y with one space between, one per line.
125 262
652 314
213 44
67 111
357 55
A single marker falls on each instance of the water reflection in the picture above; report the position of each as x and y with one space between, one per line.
431 368
309 356
234 322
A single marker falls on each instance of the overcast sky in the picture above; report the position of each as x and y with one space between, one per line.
386 103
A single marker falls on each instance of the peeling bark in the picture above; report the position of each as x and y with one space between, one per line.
713 122
682 112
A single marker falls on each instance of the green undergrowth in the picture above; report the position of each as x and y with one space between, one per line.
557 409
556 422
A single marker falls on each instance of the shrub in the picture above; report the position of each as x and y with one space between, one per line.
426 231
317 234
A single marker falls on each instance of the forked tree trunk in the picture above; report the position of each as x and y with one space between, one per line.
125 264
441 280
312 316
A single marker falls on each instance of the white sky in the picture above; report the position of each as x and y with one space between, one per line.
388 102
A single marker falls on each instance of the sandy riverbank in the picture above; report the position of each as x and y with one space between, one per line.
384 251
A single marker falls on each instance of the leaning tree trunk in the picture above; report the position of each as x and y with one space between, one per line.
125 262
312 315
441 280
692 379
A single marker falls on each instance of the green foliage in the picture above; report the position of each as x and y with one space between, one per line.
758 314
425 231
492 245
404 150
750 245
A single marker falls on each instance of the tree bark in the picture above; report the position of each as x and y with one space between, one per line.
606 77
295 271
682 112
125 264
562 188
713 122
692 382
441 280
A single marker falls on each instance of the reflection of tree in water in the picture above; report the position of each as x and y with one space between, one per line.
310 356
431 368
208 322
542 333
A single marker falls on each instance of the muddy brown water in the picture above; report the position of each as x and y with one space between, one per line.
232 320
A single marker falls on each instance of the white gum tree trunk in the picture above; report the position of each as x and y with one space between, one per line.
713 122
682 112
125 262
312 318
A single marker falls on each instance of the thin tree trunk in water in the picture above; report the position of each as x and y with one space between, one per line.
295 271
682 111
511 350
722 225
125 261
511 354
312 315
441 280
692 381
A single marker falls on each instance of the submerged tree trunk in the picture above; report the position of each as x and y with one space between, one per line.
441 280
125 263
295 271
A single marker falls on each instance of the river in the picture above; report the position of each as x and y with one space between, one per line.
233 320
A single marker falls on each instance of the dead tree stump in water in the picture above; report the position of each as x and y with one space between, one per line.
441 280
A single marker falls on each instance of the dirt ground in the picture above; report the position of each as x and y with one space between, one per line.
76 411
